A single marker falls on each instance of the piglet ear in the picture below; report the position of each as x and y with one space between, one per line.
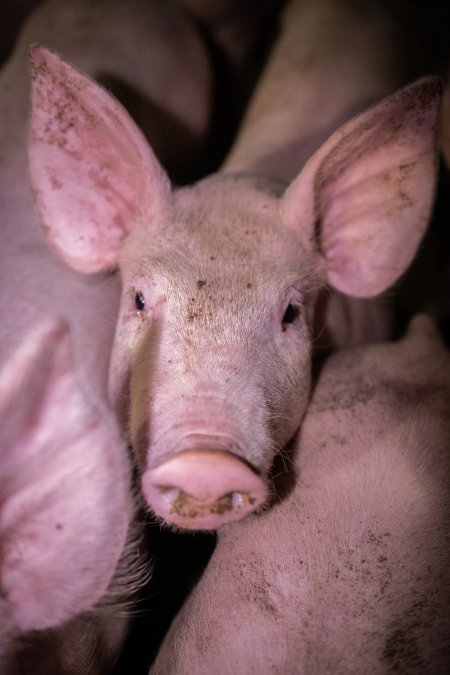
63 488
367 192
92 171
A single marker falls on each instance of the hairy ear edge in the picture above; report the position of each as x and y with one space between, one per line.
365 197
92 171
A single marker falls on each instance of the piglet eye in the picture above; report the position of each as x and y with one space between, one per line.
291 314
139 301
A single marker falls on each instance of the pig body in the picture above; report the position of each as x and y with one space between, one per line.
61 534
126 45
220 280
350 573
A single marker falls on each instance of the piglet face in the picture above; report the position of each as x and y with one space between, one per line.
212 350
210 371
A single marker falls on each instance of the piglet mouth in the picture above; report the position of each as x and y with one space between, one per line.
203 488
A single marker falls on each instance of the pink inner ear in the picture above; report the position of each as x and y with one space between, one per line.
371 227
92 171
369 190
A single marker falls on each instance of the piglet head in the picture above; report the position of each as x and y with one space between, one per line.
210 371
212 352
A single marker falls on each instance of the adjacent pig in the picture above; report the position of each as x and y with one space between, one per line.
351 572
331 60
442 258
211 362
64 493
127 44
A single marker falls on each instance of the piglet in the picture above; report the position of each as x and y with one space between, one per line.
210 369
350 573
64 492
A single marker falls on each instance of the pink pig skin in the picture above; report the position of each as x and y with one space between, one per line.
331 60
351 573
61 460
106 38
210 370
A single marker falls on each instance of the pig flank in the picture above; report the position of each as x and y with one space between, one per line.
350 574
219 280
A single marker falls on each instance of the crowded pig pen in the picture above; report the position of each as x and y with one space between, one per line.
225 383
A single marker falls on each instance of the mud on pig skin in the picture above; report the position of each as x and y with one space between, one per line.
219 279
350 573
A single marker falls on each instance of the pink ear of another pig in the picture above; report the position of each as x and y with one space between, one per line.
93 173
368 191
64 505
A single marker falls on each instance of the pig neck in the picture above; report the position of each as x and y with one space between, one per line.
332 60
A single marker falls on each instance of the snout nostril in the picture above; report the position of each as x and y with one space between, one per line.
169 493
200 489
182 502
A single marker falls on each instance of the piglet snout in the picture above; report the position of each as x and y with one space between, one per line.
200 489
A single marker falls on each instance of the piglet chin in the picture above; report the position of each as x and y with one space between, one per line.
202 489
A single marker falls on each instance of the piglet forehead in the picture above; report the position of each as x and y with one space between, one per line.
247 192
226 220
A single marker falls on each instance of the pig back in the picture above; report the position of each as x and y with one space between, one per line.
350 573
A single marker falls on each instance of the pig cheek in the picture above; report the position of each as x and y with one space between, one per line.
293 378
143 372
129 334
139 405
